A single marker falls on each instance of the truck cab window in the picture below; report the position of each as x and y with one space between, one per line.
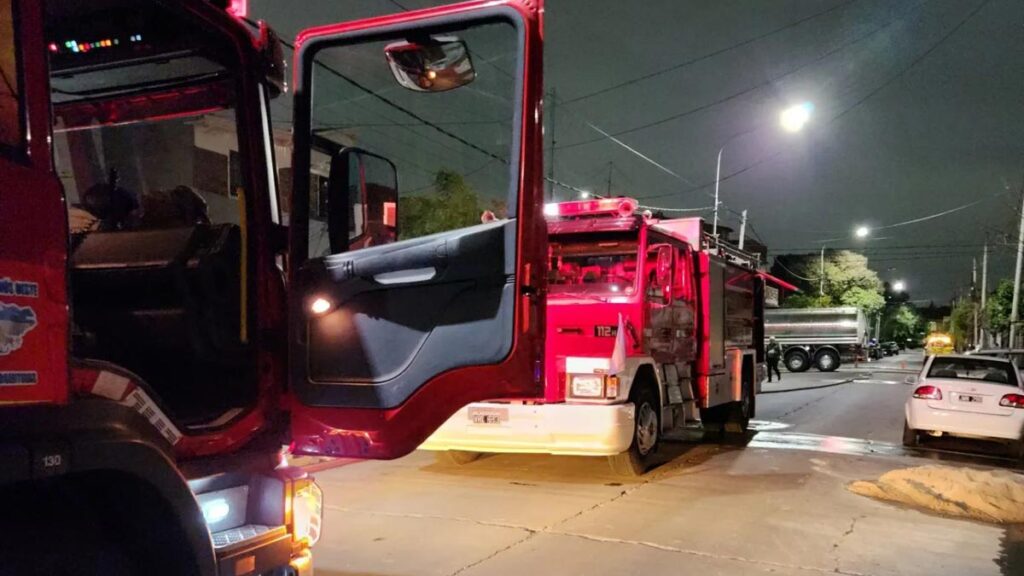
146 146
450 141
11 127
606 267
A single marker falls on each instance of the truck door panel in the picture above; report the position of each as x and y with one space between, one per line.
387 341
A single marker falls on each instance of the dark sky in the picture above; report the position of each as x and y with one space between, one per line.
917 111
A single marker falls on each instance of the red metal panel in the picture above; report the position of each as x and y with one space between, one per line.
33 246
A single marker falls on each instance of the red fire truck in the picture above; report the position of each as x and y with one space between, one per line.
651 324
173 309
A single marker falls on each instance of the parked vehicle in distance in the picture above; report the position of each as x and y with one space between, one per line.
969 396
938 343
890 348
822 337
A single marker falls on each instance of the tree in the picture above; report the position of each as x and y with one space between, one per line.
454 204
997 308
961 322
905 324
848 280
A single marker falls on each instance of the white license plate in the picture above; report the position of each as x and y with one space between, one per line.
971 399
488 415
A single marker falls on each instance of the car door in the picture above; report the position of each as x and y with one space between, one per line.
437 111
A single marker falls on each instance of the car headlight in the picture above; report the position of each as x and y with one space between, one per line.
587 385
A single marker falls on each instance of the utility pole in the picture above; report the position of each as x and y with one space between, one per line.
821 277
984 291
743 228
551 153
974 296
1016 278
718 175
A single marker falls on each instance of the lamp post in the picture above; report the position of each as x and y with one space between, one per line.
792 119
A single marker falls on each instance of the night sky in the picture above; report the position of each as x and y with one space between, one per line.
917 111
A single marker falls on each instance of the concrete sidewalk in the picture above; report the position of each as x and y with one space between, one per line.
711 510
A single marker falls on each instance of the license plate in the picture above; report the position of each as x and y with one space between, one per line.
488 415
969 398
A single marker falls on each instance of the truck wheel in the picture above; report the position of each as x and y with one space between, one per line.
911 437
457 457
826 361
646 434
738 420
797 361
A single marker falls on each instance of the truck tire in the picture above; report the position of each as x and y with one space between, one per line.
739 413
457 457
826 361
797 360
646 434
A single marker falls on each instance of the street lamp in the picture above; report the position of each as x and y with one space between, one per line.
792 119
584 194
862 232
898 286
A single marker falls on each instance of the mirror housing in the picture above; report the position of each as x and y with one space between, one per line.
435 64
362 200
911 380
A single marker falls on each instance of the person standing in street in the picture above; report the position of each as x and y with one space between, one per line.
774 354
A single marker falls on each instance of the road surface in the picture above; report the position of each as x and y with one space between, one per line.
775 503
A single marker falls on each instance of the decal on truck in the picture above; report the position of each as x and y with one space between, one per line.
10 287
15 322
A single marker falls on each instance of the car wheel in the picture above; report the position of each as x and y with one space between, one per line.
797 361
911 437
646 435
827 361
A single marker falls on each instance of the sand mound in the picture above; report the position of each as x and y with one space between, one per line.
988 495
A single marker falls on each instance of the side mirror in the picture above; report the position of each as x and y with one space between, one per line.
274 62
362 200
911 380
433 65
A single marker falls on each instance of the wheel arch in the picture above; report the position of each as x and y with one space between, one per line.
638 370
114 456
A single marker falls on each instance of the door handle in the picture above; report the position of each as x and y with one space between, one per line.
407 276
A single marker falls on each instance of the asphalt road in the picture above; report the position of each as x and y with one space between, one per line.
869 407
775 502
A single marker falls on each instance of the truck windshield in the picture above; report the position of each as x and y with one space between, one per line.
591 265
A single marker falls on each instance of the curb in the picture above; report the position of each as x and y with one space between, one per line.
833 384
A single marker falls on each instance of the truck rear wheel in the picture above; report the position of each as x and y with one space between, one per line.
740 413
826 361
797 360
646 434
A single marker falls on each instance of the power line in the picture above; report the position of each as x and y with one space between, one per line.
707 56
856 104
767 83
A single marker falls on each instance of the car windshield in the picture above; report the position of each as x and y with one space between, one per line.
992 371
585 264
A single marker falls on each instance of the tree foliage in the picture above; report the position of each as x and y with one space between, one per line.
452 205
848 281
997 308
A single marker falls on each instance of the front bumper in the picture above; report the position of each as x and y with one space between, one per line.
564 429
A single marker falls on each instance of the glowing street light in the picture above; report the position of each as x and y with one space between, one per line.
794 118
862 232
899 286
584 194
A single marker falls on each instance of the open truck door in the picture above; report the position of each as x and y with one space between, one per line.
435 115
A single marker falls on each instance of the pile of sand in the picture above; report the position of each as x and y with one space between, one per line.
988 495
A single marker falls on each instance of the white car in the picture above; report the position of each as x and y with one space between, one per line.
970 396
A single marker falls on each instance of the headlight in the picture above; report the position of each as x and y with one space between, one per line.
307 511
587 385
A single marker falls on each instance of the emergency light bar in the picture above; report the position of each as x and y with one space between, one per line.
621 207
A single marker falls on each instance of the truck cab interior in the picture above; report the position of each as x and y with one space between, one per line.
146 146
